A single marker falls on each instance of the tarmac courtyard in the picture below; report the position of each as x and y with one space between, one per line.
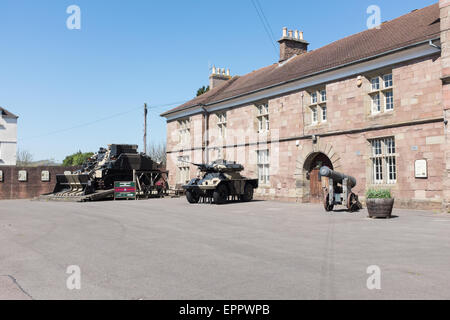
168 249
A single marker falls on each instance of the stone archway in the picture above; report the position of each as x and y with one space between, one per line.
304 162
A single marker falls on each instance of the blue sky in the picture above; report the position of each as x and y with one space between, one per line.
82 89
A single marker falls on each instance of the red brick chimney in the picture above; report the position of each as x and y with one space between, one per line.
292 43
218 76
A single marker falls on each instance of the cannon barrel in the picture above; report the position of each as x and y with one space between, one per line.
337 176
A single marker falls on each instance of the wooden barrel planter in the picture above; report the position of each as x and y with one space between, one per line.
380 208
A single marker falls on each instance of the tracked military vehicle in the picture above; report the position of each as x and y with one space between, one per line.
219 182
119 162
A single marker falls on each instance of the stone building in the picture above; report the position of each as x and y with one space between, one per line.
8 138
374 105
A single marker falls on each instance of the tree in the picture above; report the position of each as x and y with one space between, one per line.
24 158
158 153
202 90
77 159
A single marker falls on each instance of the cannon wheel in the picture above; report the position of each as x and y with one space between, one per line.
352 202
328 207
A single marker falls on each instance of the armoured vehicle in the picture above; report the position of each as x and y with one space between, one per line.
339 190
96 179
220 181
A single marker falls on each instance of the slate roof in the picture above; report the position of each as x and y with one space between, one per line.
6 114
415 27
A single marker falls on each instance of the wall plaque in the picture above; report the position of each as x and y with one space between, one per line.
421 169
45 176
22 175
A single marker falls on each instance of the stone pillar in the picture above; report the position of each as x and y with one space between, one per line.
444 6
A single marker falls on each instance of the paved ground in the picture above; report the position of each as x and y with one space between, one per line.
167 249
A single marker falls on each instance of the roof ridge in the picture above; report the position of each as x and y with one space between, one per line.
399 33
417 11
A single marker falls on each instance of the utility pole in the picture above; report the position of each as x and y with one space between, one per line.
145 128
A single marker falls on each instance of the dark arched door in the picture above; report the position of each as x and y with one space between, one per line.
316 191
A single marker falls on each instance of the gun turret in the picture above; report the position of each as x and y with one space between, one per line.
217 166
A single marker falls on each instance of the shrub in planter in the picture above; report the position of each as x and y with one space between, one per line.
379 203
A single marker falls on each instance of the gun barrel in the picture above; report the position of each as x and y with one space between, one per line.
337 176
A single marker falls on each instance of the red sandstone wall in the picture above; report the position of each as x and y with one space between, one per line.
12 188
418 96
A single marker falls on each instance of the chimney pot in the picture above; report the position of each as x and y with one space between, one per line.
214 70
228 72
292 44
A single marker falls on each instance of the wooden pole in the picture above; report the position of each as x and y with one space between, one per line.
145 128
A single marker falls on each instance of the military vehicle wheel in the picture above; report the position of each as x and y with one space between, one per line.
192 196
220 195
248 193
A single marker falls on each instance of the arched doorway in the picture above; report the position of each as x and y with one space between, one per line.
312 167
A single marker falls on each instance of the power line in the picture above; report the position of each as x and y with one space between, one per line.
101 120
266 27
266 20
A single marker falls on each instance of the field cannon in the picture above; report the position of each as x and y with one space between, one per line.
339 190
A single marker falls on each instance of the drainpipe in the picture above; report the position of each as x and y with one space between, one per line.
205 135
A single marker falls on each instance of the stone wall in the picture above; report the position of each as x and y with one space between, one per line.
416 123
12 188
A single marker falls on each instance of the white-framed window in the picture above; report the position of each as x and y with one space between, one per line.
314 115
376 103
384 162
387 79
313 97
323 95
375 83
184 174
222 124
318 106
323 110
263 117
382 94
184 130
389 100
263 167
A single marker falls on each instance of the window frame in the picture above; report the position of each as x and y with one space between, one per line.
263 165
318 103
384 89
184 169
222 124
184 131
384 164
263 117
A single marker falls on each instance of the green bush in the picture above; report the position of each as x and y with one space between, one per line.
77 159
378 194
